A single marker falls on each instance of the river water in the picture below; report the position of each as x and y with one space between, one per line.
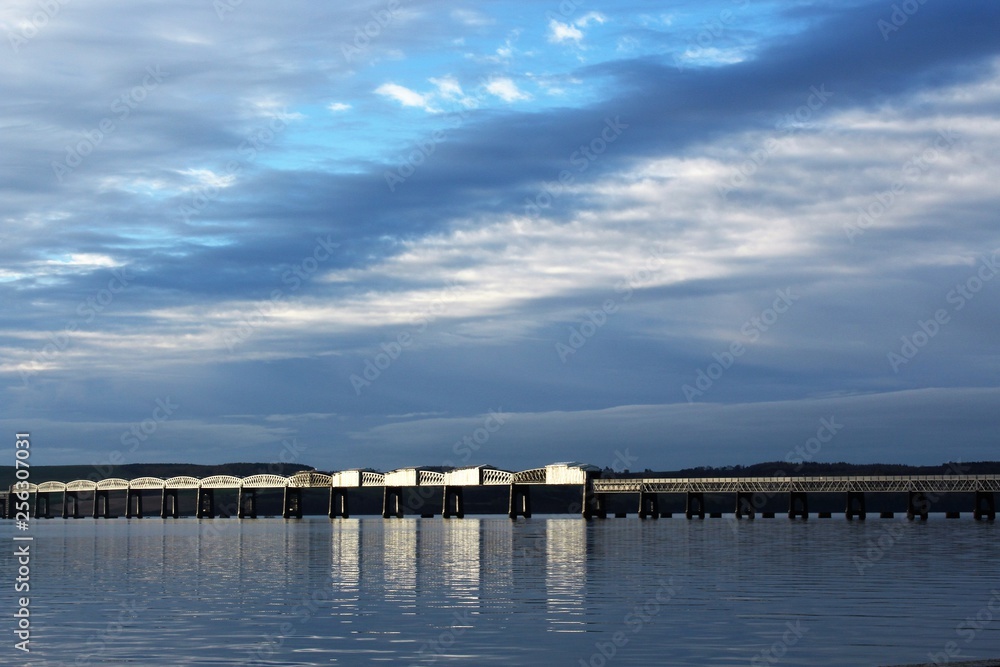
475 591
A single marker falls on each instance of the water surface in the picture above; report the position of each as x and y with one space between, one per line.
547 591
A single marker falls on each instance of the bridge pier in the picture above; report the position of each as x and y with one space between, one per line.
855 506
798 505
917 505
744 505
338 502
594 504
291 506
205 509
392 502
246 503
102 501
520 501
169 505
986 507
454 503
131 494
695 505
42 506
649 505
75 498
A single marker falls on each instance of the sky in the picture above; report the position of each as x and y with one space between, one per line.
404 232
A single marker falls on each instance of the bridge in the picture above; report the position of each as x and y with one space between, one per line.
750 494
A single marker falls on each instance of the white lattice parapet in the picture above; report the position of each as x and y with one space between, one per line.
48 487
181 482
113 484
221 482
310 480
264 482
147 483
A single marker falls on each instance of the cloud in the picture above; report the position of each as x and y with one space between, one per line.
560 32
337 107
405 96
506 89
563 32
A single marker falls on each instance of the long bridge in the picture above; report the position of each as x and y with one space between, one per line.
750 493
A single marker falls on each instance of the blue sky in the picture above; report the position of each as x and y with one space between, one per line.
664 234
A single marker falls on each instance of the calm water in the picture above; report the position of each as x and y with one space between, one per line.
552 591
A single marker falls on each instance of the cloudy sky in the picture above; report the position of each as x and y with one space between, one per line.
638 234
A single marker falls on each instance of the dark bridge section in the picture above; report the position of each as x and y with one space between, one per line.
751 493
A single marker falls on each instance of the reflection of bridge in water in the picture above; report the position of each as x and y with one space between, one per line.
750 493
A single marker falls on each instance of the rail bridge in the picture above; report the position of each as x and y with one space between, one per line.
750 494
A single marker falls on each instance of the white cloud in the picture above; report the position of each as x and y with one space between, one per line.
448 87
506 90
471 18
338 106
563 32
405 96
571 32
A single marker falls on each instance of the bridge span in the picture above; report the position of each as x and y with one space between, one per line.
750 493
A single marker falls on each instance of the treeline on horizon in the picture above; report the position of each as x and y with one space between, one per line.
815 468
69 473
